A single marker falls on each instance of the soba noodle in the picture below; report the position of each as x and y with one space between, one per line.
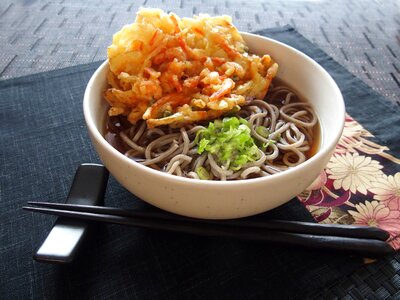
290 122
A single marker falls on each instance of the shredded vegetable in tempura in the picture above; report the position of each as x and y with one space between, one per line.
172 71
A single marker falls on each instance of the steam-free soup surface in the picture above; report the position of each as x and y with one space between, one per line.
262 138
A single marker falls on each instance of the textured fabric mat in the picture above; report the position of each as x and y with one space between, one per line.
361 184
44 139
362 35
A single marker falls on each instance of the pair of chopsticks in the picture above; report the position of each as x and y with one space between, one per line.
368 241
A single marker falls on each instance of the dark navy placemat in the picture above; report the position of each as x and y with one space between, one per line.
44 139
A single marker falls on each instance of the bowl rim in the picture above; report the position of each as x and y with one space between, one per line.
217 183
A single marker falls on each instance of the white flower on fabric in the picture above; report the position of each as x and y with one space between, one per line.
387 190
353 172
376 214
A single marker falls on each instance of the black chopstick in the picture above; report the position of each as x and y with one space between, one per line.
371 247
277 225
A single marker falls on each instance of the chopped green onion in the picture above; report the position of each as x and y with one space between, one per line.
263 131
264 146
233 111
229 141
277 137
203 173
236 108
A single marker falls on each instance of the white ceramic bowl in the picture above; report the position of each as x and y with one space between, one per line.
229 199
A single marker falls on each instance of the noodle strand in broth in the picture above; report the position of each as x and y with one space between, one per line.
289 127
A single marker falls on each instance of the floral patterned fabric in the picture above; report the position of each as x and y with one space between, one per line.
359 185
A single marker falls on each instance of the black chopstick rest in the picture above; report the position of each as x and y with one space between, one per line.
88 188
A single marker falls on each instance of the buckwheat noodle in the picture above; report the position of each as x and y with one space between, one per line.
290 123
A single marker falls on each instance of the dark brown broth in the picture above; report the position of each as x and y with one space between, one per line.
114 125
316 132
